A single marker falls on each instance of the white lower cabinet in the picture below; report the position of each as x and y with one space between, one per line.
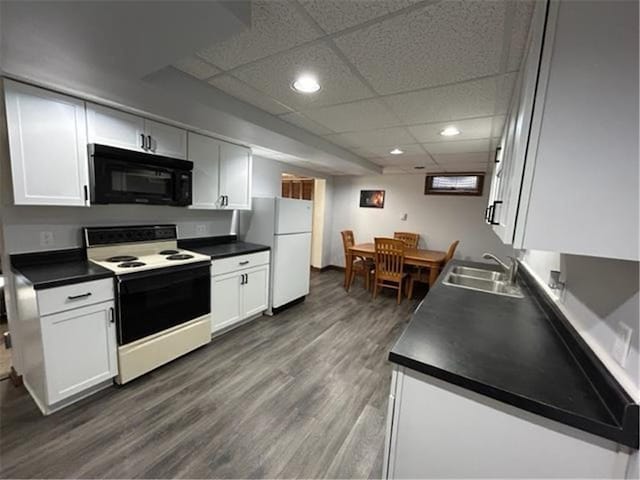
239 294
79 349
70 346
439 430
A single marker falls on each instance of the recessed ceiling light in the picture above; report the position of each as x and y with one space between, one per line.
306 84
396 151
450 132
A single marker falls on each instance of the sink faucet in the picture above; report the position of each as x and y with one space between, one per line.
510 270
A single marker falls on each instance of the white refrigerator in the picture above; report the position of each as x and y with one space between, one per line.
285 225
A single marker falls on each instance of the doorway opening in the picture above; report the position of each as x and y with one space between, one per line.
314 190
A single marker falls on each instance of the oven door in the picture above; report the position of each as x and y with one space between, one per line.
154 301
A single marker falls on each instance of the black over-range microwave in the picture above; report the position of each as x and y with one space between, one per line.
125 176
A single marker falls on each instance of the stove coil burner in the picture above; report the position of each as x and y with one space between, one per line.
122 258
180 256
131 264
168 252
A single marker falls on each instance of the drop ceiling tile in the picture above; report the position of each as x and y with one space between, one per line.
523 11
441 43
476 98
349 117
336 15
469 129
373 138
338 140
236 88
196 68
393 170
471 167
274 76
275 26
461 158
464 146
504 90
303 122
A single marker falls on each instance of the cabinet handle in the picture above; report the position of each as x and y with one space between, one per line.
495 159
149 142
112 315
493 213
143 144
242 279
244 262
246 278
225 200
76 297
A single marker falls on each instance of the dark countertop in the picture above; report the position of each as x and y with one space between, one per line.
56 268
220 247
514 350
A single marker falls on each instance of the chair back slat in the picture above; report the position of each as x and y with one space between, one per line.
451 251
347 240
410 239
390 257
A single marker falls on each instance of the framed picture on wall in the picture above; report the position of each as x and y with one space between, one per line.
372 198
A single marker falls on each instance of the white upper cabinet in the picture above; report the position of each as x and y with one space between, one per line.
108 126
235 176
47 146
166 140
204 152
570 178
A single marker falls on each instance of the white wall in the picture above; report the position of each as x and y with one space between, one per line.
438 219
600 293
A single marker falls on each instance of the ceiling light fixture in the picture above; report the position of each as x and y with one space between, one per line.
396 151
306 84
449 132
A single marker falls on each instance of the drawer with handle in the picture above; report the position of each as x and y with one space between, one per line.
231 264
58 299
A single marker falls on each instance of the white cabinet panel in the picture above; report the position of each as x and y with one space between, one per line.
440 430
235 176
108 126
47 145
166 140
79 349
255 293
584 192
204 152
225 300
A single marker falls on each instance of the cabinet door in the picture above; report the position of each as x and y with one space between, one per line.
167 140
225 300
107 126
204 152
47 146
235 176
255 291
517 133
79 349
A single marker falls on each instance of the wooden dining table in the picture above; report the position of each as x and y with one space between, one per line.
431 259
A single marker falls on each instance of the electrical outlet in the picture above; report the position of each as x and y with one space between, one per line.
201 229
620 349
404 217
46 239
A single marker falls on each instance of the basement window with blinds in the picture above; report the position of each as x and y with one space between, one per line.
454 184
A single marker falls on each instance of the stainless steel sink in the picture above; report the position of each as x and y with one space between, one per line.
495 287
479 273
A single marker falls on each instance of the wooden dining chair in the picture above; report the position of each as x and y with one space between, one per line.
410 239
422 276
389 270
360 266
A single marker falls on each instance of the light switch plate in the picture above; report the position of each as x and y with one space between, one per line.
621 344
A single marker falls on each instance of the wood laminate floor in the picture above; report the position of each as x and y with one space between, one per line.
302 394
